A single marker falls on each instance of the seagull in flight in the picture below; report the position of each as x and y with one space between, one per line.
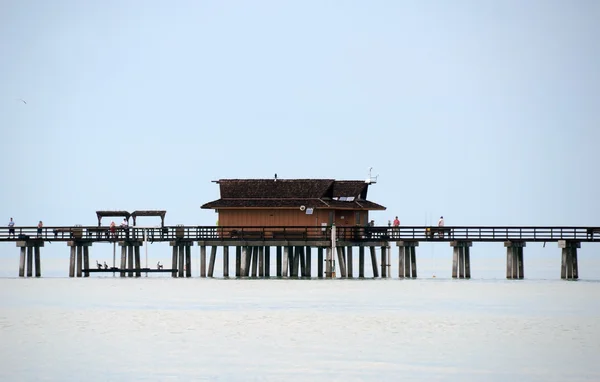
22 100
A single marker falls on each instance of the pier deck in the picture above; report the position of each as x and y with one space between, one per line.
235 235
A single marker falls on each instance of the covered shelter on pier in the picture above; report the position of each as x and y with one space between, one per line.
292 202
117 213
159 213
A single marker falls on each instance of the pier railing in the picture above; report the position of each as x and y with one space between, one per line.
319 233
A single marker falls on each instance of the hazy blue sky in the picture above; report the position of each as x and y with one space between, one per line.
487 112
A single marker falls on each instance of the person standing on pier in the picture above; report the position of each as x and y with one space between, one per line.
39 229
396 227
125 227
11 228
441 227
113 230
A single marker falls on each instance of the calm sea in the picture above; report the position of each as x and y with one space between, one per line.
433 329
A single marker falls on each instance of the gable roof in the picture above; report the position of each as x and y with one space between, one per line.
291 193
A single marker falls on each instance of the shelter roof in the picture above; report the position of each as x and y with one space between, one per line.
160 213
291 193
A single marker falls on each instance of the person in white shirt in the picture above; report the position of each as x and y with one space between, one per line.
125 227
441 224
11 228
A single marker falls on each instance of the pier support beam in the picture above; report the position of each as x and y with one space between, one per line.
173 262
267 256
30 256
569 269
461 259
211 263
361 262
384 262
278 261
349 261
374 262
307 262
284 261
329 263
225 261
320 262
130 257
407 259
182 258
514 259
238 261
342 261
80 258
86 260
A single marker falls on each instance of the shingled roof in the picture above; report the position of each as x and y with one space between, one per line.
291 193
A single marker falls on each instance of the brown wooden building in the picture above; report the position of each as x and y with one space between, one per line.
292 202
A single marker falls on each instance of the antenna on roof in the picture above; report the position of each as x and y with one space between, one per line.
371 179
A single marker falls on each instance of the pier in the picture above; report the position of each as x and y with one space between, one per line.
294 248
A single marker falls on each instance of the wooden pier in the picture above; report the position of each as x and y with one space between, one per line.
294 248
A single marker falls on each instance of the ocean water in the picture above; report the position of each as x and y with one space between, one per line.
433 329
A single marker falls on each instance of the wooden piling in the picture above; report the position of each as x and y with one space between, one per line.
173 262
29 261
261 261
461 261
203 261
383 262
130 265
249 261
320 262
243 257
123 260
514 259
413 262
188 259
299 262
284 261
278 261
374 261
401 256
138 261
267 261
79 260
349 262
226 261
407 256
575 267
328 262
213 258
361 262
455 254
86 260
520 274
341 261
467 255
238 261
181 260
254 263
23 256
38 269
308 262
569 264
291 262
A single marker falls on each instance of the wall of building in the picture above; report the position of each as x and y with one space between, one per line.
288 218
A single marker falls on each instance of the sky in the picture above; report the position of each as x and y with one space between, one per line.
486 112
